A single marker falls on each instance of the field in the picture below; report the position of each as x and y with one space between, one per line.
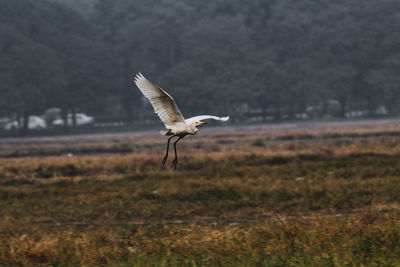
279 195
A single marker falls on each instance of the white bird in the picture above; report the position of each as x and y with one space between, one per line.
166 108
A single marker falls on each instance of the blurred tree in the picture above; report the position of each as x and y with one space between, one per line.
273 57
386 80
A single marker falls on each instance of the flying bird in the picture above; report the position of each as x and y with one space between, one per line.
166 108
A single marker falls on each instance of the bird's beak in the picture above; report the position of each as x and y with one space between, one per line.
202 122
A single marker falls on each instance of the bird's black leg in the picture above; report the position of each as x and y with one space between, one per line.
175 162
166 154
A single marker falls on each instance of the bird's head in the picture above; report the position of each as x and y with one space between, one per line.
198 123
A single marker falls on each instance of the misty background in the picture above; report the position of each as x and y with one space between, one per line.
257 61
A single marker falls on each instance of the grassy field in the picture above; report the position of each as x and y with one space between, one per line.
283 195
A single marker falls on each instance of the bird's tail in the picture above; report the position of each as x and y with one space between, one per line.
166 132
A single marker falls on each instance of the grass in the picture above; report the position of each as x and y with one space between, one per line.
316 196
369 239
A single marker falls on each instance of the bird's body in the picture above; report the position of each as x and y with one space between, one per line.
169 113
180 129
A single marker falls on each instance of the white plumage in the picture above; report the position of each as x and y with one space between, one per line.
169 113
166 108
163 104
206 117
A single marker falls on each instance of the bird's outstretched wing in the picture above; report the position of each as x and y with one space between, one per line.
205 117
163 104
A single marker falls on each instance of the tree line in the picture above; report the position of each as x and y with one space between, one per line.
277 58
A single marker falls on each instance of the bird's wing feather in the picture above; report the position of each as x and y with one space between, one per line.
205 117
163 104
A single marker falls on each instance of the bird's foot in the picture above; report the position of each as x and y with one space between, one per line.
164 160
174 164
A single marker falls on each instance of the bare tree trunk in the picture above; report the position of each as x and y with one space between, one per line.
391 103
324 107
371 106
25 125
74 124
64 115
127 101
264 114
19 122
291 107
343 106
278 115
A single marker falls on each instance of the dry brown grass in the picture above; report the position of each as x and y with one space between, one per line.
273 196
